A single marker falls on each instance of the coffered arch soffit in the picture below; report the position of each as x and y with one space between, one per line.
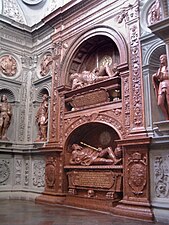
89 41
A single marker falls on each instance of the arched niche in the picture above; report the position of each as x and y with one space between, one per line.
89 49
40 94
12 121
153 66
9 94
94 134
154 58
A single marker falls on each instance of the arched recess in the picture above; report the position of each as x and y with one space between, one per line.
9 94
95 134
40 94
153 63
87 44
154 58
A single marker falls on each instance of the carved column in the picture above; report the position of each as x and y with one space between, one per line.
134 112
54 191
55 108
136 180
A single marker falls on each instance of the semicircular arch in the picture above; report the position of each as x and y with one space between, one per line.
87 37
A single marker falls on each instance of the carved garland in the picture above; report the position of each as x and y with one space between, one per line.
18 171
126 103
136 85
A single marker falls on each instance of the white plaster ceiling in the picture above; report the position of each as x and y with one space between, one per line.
29 12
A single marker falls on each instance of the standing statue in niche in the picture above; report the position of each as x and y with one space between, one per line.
161 85
42 119
5 117
89 155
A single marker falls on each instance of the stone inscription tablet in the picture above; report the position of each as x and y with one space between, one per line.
91 98
92 179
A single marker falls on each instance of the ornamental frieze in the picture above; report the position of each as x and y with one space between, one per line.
94 117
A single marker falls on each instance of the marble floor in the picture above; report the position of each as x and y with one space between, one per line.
21 212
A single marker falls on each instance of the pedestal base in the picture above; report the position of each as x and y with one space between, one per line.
50 199
131 210
90 203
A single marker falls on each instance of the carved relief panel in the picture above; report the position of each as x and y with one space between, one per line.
136 173
5 174
46 64
38 173
161 176
53 174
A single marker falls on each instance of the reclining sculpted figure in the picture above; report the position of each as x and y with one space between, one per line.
86 78
90 155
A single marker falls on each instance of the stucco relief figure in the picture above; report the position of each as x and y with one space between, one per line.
8 65
89 155
42 119
154 13
46 65
161 85
86 78
5 117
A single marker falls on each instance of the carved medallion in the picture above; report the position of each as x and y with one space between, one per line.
105 138
32 2
106 60
8 65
